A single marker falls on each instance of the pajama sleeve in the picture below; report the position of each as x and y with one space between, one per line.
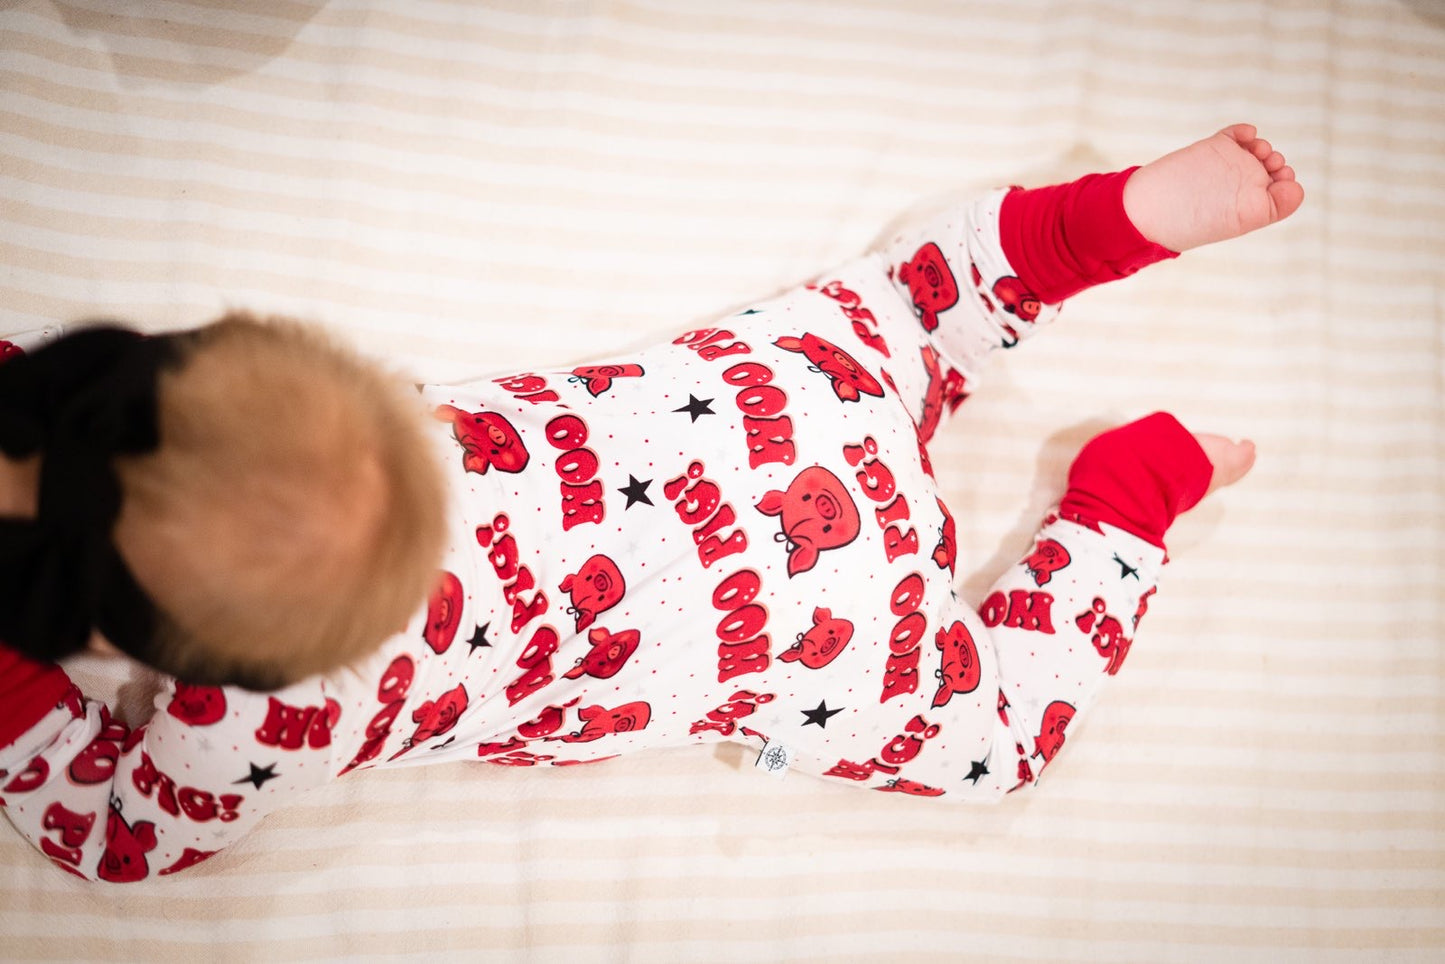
107 802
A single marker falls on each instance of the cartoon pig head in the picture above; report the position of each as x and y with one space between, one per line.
816 513
959 671
1048 557
197 705
598 721
594 588
124 860
598 378
1018 301
848 377
438 716
1051 733
608 654
487 439
930 283
820 645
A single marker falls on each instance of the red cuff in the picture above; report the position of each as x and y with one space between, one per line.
1138 478
28 690
1068 237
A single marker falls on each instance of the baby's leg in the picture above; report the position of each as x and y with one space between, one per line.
1063 620
990 274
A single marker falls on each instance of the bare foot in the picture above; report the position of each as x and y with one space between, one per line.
1231 460
1221 187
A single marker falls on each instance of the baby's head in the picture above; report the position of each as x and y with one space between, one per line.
291 516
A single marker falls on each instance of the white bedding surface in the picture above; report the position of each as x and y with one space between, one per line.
471 187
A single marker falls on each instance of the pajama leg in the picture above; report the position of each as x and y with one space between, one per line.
1062 621
987 275
975 705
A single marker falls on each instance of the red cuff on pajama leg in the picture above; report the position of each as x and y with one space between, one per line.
1068 237
1138 478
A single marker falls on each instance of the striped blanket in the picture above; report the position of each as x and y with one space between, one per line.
464 187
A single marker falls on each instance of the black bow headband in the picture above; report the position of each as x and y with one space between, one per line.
77 402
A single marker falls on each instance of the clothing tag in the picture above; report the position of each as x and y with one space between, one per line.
775 759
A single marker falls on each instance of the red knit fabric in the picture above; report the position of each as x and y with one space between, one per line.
28 690
1068 237
1138 477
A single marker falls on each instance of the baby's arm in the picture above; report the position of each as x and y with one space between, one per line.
110 803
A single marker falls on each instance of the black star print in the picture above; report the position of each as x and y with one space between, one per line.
259 775
479 639
696 407
750 311
1126 569
635 491
977 771
821 714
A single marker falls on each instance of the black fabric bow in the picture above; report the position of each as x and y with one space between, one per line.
77 402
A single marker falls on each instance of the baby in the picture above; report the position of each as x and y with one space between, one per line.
736 535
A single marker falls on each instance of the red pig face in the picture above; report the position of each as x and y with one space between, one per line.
598 378
435 717
1018 301
198 705
608 654
598 721
595 588
443 613
959 671
1047 558
487 439
124 859
848 377
817 513
820 645
930 282
1051 734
